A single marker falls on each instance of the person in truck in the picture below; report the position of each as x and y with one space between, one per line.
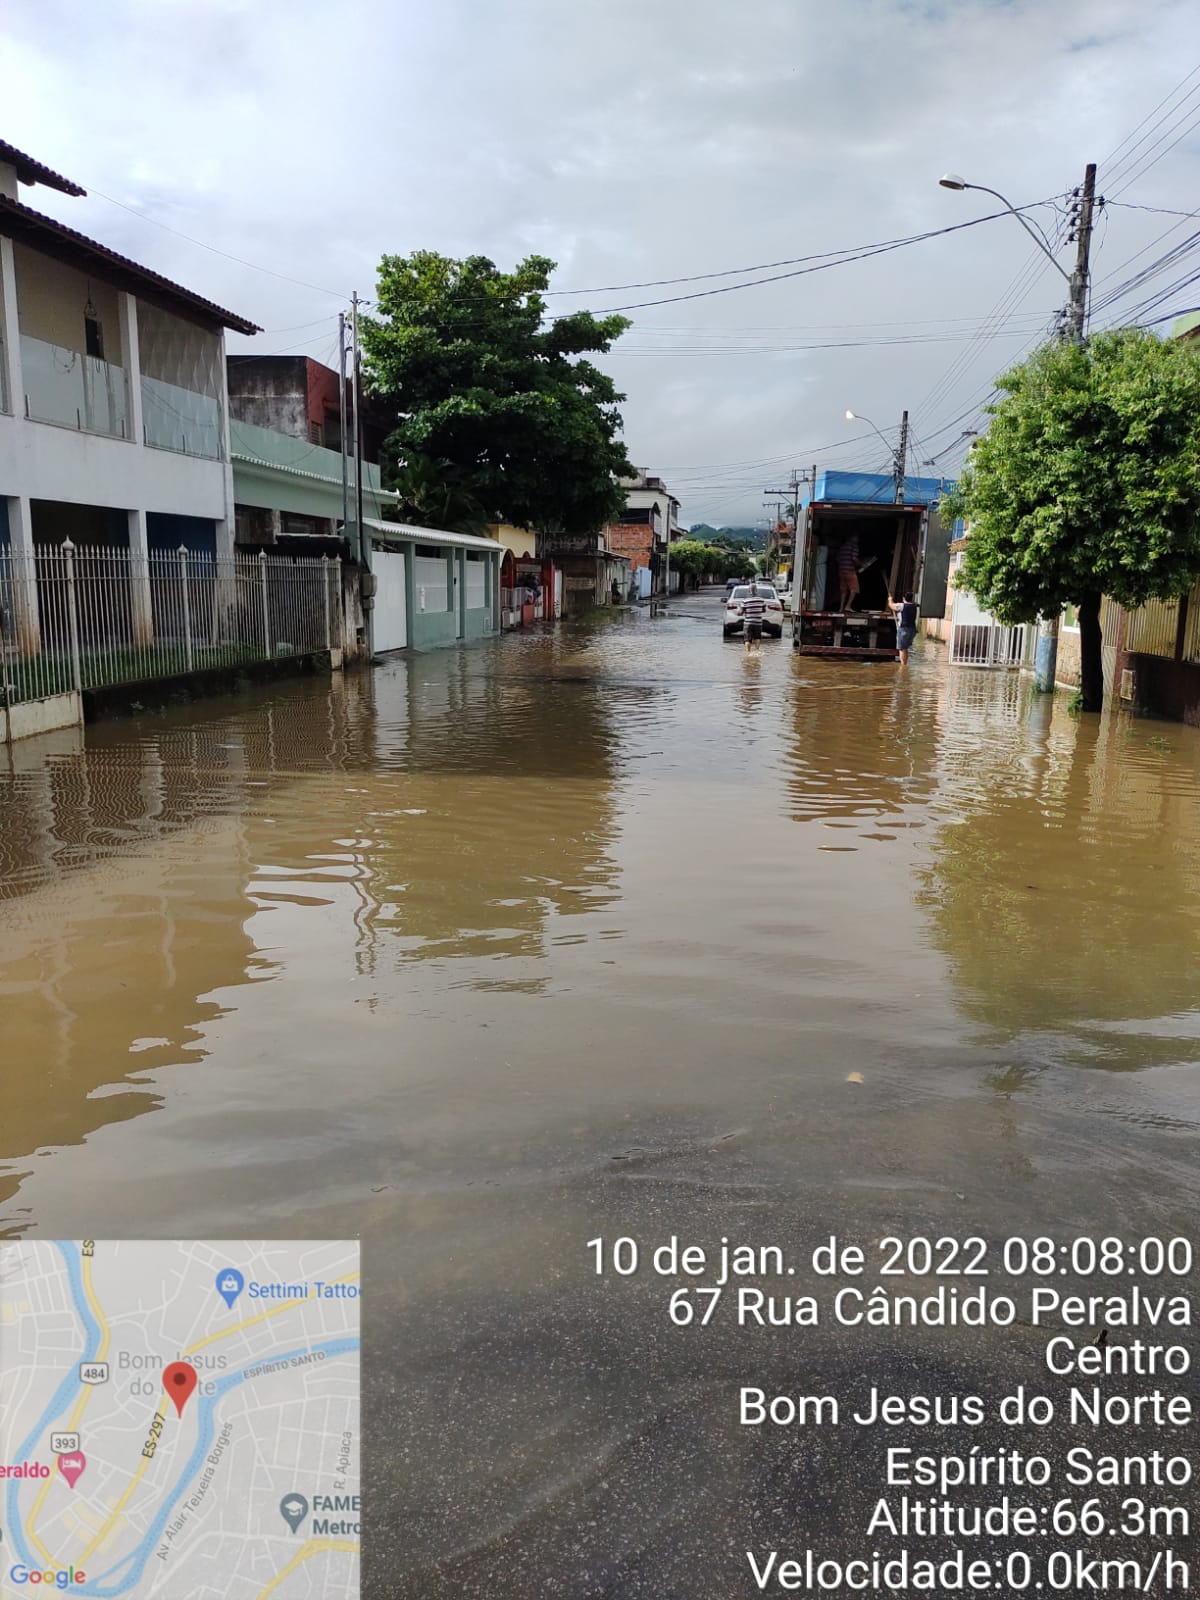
848 568
906 624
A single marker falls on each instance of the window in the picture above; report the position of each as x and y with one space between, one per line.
1070 619
315 433
295 522
93 337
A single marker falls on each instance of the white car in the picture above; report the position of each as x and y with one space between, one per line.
734 620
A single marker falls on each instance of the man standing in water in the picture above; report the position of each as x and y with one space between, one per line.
906 624
754 609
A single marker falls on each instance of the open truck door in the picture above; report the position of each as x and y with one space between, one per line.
933 566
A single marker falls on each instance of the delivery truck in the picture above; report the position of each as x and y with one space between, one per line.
891 547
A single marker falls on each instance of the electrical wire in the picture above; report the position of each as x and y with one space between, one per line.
1170 95
1130 165
254 266
823 264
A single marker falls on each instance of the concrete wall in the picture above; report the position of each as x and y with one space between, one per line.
270 393
521 541
51 297
278 472
49 463
480 623
32 717
1067 670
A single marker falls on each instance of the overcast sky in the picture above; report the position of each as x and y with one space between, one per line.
632 140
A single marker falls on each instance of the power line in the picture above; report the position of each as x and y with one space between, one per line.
769 266
241 261
823 265
1170 95
1162 211
1126 167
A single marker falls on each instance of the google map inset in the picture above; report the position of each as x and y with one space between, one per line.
180 1418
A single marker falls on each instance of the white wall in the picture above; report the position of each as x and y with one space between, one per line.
49 463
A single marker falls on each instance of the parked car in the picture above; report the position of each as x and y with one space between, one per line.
735 605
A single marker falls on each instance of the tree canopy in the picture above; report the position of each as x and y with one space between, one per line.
1087 483
698 560
498 398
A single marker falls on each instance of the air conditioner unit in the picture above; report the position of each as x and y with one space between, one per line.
1127 683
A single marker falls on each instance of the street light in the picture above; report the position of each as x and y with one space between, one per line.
951 180
857 416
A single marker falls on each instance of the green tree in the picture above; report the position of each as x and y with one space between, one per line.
694 559
431 497
1086 483
462 357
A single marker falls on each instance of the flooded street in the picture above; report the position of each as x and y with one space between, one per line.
610 931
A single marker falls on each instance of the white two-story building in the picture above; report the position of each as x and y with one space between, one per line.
113 403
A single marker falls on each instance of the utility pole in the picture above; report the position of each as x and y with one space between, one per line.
342 419
901 458
1077 313
366 579
358 494
1045 663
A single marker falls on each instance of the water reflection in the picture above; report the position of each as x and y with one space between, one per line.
428 813
1063 885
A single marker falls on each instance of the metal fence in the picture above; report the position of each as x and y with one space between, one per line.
986 644
78 617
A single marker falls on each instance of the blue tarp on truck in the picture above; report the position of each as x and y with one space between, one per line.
877 488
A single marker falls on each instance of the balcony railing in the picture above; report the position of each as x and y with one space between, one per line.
180 419
73 390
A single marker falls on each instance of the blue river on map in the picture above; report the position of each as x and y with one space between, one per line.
134 1564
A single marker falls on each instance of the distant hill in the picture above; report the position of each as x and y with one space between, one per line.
756 538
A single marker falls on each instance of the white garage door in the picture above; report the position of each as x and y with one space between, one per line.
391 630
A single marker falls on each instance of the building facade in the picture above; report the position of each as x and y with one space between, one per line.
431 587
113 400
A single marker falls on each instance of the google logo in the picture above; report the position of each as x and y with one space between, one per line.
60 1579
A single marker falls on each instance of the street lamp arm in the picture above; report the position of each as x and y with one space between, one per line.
1033 233
857 416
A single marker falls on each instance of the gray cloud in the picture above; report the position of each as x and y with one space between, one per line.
629 140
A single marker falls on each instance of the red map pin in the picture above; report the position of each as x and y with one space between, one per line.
179 1379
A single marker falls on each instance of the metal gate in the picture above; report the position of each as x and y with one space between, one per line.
986 644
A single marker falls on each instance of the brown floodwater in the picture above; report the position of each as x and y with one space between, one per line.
599 932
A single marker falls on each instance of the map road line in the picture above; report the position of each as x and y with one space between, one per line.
312 1547
123 1501
136 1560
60 1399
80 1407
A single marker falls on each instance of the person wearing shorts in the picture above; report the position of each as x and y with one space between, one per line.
848 565
906 625
754 609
